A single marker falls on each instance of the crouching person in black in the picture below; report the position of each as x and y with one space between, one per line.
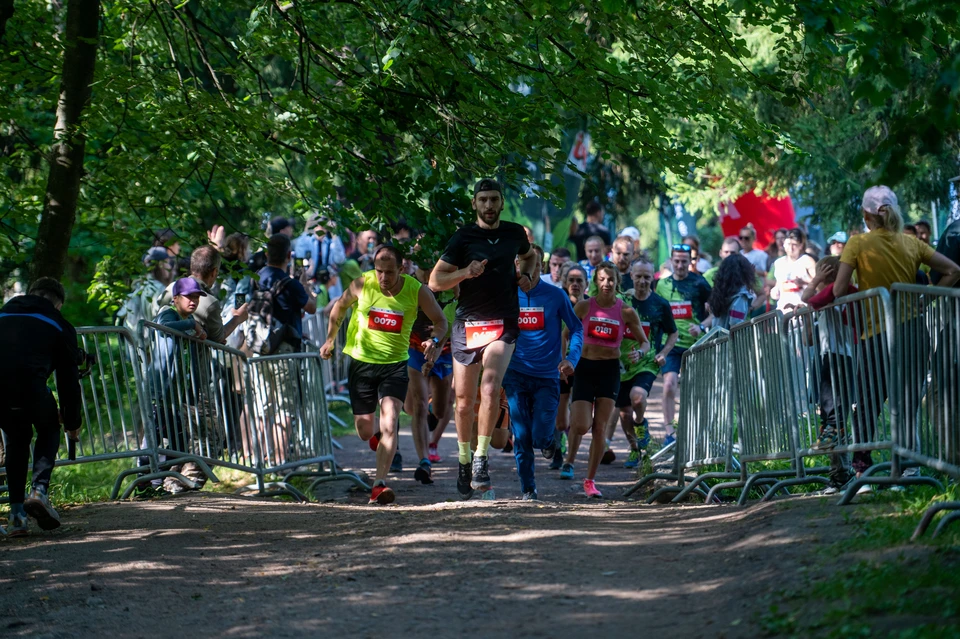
35 341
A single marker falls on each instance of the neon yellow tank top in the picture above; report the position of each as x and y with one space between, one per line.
379 331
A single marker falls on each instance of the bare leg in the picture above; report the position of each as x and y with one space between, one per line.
495 361
389 412
443 411
465 380
670 383
611 426
563 414
627 424
417 409
602 409
580 421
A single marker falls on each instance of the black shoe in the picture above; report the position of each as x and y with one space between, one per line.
557 460
608 457
422 473
481 474
396 466
432 421
550 451
508 448
464 478
530 495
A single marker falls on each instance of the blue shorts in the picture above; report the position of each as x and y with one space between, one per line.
441 368
674 360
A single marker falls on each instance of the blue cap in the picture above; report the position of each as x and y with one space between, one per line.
187 286
839 236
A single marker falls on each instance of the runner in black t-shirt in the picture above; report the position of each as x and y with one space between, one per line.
480 258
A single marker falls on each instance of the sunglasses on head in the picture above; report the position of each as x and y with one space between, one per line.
682 247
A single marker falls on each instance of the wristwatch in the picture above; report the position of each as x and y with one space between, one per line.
435 340
702 329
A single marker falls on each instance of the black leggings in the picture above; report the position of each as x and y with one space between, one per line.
18 424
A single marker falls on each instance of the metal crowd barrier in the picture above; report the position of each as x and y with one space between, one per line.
705 427
334 369
927 386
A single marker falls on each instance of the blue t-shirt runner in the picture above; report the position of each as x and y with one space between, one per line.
532 379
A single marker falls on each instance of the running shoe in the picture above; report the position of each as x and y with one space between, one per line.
508 447
563 442
827 440
432 420
481 473
374 442
831 490
633 460
381 494
866 489
557 460
17 525
432 454
608 456
396 466
464 478
550 451
642 431
590 489
530 495
669 439
566 471
423 472
38 506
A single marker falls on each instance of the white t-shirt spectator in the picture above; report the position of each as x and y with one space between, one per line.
758 258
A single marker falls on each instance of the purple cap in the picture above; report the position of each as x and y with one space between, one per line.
187 286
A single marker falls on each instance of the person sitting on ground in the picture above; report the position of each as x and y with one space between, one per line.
734 292
36 341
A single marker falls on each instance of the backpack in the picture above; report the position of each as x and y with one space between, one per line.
264 332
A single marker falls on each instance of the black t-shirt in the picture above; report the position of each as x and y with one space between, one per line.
584 232
949 245
655 312
626 282
493 295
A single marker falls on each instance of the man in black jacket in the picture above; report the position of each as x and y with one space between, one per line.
36 341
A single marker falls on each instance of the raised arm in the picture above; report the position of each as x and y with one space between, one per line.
339 311
445 275
432 310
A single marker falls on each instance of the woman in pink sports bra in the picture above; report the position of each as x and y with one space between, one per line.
596 381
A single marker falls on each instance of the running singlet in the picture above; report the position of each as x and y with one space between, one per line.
790 280
493 295
656 318
603 326
380 328
423 327
687 299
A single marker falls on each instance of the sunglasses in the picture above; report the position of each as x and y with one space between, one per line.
746 238
682 247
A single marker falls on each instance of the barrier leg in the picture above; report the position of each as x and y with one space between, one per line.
930 514
864 480
646 480
699 479
796 481
946 521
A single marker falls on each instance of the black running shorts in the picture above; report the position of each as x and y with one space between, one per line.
596 378
369 383
468 356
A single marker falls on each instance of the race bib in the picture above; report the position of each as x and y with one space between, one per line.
532 319
603 328
789 286
628 334
479 334
682 310
384 320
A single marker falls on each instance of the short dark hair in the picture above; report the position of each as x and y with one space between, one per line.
204 261
560 252
164 237
539 249
278 249
910 228
49 288
593 208
924 224
277 224
392 250
797 235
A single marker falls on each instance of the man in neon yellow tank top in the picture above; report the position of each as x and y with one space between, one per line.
377 341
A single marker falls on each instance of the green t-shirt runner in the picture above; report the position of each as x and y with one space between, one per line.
656 318
687 299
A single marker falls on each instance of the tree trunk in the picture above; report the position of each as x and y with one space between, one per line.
66 158
6 12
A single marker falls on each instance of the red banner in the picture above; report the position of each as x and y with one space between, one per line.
767 214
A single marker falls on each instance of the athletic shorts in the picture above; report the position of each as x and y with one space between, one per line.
369 383
642 380
566 386
441 368
469 356
596 378
674 359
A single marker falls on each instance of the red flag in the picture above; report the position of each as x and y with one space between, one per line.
767 214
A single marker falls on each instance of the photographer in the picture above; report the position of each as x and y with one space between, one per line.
36 341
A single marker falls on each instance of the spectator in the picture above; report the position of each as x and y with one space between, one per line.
748 237
594 249
698 263
402 233
813 250
367 241
204 268
291 297
145 301
836 242
320 246
949 247
622 259
792 272
880 258
285 226
592 227
557 259
729 247
923 231
236 253
529 232
734 292
168 240
775 248
634 234
910 229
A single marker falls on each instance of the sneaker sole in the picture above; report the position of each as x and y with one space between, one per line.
38 511
465 496
384 498
608 458
480 486
422 476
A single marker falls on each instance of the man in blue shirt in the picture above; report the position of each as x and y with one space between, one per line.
532 379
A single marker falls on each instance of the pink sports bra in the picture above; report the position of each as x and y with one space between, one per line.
603 326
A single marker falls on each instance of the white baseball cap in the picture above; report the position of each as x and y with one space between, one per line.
631 232
876 197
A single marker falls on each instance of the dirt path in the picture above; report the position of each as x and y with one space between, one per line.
430 565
